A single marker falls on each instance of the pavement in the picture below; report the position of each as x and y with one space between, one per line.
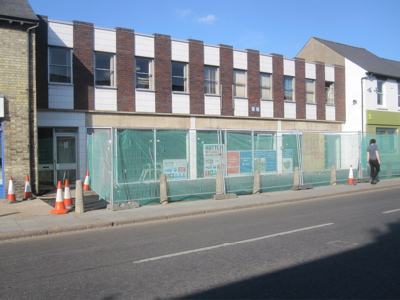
32 218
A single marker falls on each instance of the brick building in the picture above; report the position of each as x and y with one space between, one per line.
17 94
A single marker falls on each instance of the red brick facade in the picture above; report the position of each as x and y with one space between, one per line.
340 93
253 82
196 76
300 88
125 69
277 86
83 65
226 78
163 73
320 90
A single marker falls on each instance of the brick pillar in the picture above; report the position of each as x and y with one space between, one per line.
226 76
320 90
163 73
125 69
277 86
83 65
340 93
300 88
42 75
253 81
196 76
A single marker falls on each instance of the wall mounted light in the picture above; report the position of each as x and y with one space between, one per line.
1 106
354 102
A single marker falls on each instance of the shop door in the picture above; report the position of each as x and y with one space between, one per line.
65 165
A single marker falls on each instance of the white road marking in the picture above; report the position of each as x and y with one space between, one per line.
229 244
390 211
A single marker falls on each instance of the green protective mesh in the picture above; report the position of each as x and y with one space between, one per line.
126 164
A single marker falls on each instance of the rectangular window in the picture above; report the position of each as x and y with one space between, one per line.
105 69
310 90
265 86
60 65
239 83
179 76
144 73
330 93
379 92
398 94
211 80
289 88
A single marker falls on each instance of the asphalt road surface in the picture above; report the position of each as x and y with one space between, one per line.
345 247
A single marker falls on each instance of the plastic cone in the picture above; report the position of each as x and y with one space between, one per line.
28 191
350 180
59 207
67 196
11 194
86 183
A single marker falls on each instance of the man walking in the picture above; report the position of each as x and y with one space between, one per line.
373 160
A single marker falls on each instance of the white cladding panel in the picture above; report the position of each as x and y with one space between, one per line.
311 112
265 64
145 101
211 55
180 51
212 105
267 109
290 110
180 103
105 99
60 34
144 45
330 113
105 40
239 60
310 71
241 107
329 73
61 96
289 68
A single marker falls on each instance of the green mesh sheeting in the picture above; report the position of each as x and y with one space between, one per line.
126 164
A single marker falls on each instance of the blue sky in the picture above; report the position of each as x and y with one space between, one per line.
270 26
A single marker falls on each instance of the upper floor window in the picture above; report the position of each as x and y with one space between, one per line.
144 73
105 69
288 83
179 76
265 86
330 93
60 65
310 90
211 80
379 92
398 94
239 83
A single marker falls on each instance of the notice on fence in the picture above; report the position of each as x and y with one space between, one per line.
313 152
175 168
265 161
287 160
213 159
233 158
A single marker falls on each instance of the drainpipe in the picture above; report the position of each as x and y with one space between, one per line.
31 102
362 104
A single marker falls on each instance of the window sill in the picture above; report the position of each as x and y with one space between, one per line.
104 87
242 98
290 101
271 100
61 84
309 103
180 93
145 90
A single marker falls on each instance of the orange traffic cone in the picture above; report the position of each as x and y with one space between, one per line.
86 183
67 196
59 207
11 194
350 180
28 191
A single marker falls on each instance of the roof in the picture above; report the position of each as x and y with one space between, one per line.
17 10
365 59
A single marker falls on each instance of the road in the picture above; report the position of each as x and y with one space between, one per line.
338 247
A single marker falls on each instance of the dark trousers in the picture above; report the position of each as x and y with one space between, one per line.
375 168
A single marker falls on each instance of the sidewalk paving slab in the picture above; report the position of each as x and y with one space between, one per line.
33 217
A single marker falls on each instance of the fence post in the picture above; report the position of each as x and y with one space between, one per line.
333 174
256 185
163 189
79 205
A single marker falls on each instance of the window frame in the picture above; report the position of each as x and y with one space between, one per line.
266 89
238 84
111 70
398 94
211 84
179 77
329 93
289 90
148 75
66 66
310 91
380 84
